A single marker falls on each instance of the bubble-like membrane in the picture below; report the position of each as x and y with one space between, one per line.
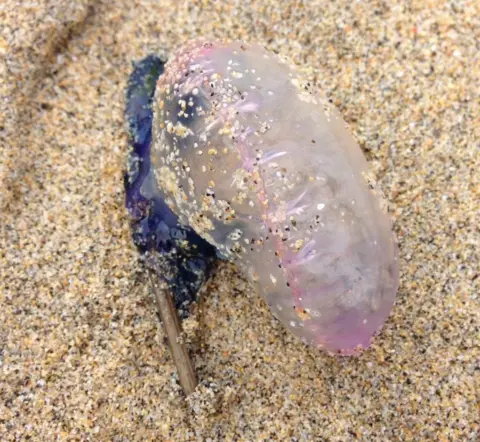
259 165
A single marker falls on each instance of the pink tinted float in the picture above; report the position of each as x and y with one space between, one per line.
266 170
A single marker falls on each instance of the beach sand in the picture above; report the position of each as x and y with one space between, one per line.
82 355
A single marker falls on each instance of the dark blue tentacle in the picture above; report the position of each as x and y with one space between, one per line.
177 254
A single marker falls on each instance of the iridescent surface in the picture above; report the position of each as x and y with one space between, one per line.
266 171
174 251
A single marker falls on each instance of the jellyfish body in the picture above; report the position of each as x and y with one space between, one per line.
266 171
177 255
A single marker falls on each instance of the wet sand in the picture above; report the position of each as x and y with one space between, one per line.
82 356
